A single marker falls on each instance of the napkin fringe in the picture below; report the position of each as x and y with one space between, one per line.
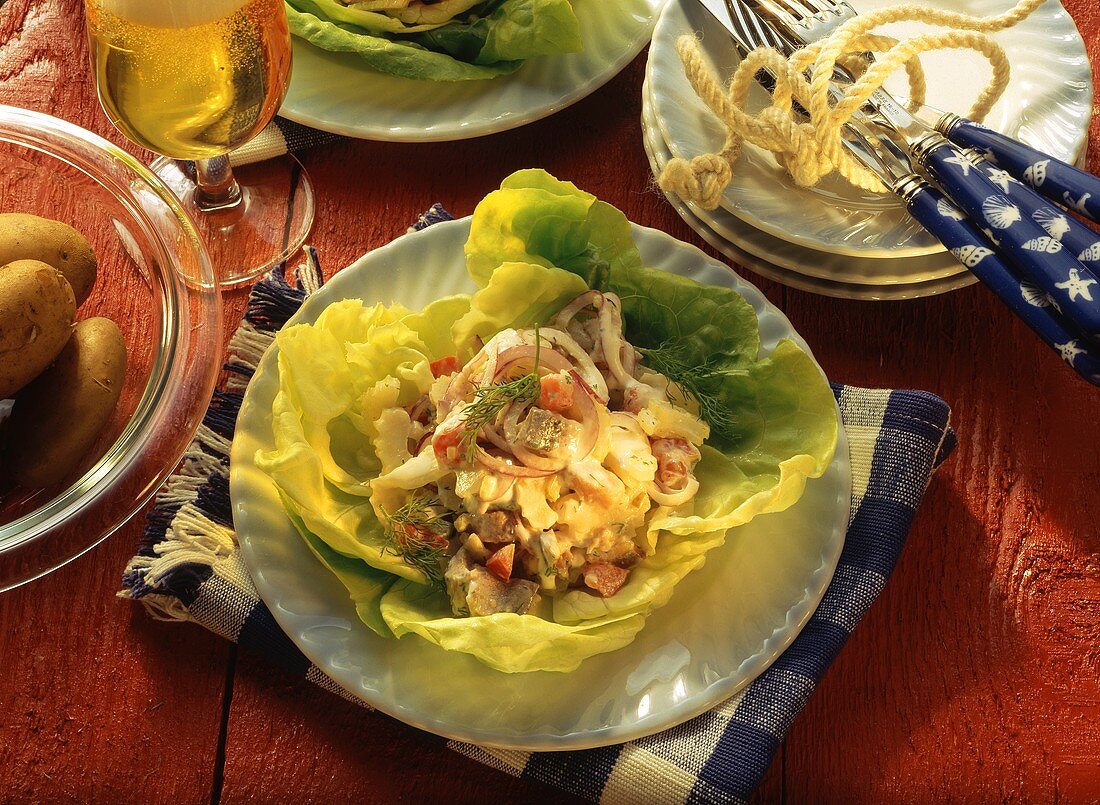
190 528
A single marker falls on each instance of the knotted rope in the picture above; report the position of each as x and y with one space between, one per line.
811 149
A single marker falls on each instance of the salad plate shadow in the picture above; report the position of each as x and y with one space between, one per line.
725 623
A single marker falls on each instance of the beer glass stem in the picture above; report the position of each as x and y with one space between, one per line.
216 188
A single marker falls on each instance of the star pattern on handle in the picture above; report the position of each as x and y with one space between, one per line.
962 161
988 155
1076 286
1069 351
1000 178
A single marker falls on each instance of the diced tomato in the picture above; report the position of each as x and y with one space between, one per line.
444 366
675 460
447 446
556 393
605 578
500 563
407 533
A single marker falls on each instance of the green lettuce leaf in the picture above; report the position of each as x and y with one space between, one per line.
349 18
519 295
493 39
323 460
366 585
535 218
435 323
505 641
522 29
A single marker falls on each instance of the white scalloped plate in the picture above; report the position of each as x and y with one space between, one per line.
1047 104
724 625
336 92
828 274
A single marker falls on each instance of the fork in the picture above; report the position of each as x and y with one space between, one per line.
930 207
1021 223
812 20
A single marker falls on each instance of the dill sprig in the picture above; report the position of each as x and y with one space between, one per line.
490 400
695 379
418 534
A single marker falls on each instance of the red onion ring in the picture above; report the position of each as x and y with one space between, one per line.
586 299
580 358
504 467
495 437
513 357
676 498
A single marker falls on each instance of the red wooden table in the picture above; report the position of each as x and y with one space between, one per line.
976 674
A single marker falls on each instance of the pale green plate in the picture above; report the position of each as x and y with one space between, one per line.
724 625
337 92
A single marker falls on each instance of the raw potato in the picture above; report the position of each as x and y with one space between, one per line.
28 237
36 317
57 418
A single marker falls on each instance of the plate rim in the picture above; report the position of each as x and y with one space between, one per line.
456 130
744 254
1081 140
798 613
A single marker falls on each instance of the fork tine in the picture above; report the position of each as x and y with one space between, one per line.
805 20
811 8
796 9
768 8
756 32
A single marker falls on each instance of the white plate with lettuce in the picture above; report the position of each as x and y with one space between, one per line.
697 620
496 65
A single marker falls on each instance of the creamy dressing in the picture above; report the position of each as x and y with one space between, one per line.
545 498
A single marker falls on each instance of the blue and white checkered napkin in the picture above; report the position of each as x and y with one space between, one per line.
190 568
279 137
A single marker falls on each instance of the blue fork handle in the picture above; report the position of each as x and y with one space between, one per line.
1024 244
1079 238
944 220
1055 179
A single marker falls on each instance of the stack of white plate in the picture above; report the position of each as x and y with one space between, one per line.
834 239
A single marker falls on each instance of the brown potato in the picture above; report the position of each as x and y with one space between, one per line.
36 318
57 418
28 237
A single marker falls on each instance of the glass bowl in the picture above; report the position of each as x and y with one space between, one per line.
156 283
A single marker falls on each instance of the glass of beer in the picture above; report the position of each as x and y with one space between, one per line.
192 80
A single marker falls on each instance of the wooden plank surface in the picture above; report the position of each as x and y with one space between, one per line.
95 704
975 675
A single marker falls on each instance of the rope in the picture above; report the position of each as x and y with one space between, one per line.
811 149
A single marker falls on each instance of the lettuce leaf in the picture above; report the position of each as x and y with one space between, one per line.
365 584
535 218
323 461
520 295
505 641
493 39
535 244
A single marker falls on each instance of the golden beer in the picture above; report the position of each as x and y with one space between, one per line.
189 79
